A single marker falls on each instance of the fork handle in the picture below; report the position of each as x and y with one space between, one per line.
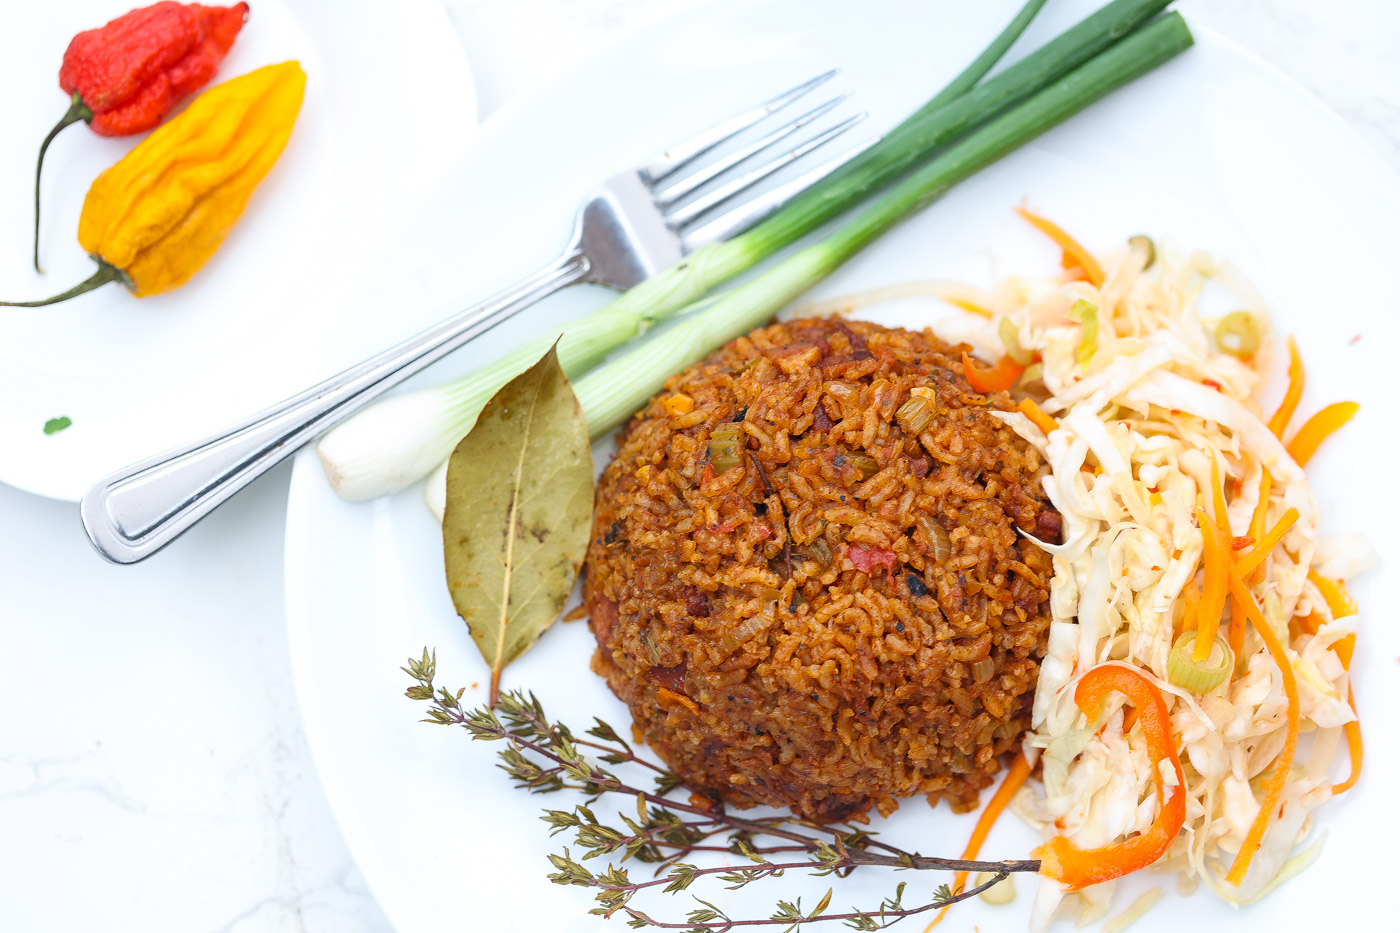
136 511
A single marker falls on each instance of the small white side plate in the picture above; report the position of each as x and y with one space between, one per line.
390 103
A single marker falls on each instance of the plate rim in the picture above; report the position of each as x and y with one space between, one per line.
306 467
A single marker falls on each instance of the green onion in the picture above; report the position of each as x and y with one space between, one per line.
383 454
983 63
982 672
914 415
1143 247
612 392
866 465
1238 333
726 446
1199 676
927 130
1087 314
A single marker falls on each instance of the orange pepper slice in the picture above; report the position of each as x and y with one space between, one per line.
1078 868
996 378
1318 428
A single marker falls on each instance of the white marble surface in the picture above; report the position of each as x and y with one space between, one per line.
153 770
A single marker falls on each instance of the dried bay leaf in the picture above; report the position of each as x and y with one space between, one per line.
519 507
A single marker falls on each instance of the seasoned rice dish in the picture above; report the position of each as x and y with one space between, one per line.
807 577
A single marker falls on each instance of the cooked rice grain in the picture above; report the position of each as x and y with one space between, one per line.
849 614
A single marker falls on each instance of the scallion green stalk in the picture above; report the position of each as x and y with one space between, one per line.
1199 676
927 130
394 443
612 392
361 462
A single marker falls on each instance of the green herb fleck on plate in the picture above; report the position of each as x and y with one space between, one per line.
54 425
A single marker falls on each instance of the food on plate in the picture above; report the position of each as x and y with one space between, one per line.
810 575
1193 578
126 77
824 559
818 566
797 531
397 442
156 217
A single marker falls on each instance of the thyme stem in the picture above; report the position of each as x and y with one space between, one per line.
887 917
544 756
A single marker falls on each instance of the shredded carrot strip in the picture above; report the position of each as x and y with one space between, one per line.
1279 422
1236 634
1071 247
1261 516
1355 748
1318 428
1072 268
1217 503
1015 776
1339 601
1273 790
1227 537
1255 558
1340 604
1191 597
1039 418
1217 561
1261 508
1256 531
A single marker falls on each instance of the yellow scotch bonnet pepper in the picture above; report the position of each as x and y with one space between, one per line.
156 217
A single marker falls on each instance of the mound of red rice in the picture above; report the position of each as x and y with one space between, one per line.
844 612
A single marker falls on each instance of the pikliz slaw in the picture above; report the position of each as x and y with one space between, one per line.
1155 422
1163 462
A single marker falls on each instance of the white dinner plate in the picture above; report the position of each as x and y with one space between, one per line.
1214 151
390 104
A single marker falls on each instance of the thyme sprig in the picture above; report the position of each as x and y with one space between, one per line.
543 756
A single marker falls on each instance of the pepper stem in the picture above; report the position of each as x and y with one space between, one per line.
106 272
76 111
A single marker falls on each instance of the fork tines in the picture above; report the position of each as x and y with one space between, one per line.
680 216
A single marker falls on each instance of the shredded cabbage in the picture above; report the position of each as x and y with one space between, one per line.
1146 402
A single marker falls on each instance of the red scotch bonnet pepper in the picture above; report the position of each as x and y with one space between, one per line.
126 77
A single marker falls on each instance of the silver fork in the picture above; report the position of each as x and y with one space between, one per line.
636 224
